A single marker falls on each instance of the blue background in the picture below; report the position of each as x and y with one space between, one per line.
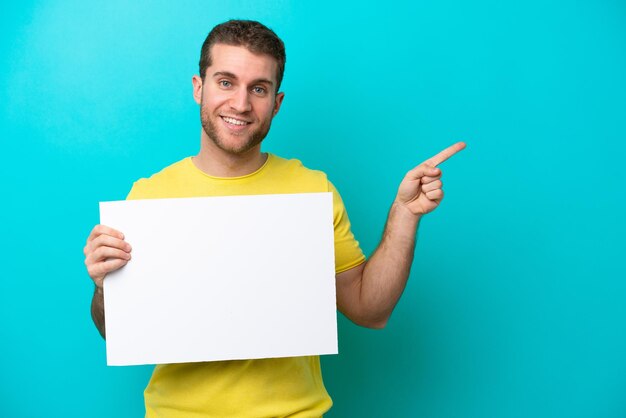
516 306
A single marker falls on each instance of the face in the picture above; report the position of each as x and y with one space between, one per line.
237 98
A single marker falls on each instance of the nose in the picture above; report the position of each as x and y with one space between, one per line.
240 101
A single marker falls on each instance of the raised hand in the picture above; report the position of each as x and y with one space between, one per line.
105 251
421 189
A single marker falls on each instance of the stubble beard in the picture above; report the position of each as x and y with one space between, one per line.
254 138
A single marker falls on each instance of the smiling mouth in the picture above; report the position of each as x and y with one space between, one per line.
233 121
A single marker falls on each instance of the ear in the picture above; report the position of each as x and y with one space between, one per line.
278 100
196 81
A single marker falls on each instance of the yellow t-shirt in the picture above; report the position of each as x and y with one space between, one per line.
274 387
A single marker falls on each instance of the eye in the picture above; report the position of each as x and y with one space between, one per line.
225 83
258 90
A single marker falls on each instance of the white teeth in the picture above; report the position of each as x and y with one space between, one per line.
234 121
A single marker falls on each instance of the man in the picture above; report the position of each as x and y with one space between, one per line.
241 68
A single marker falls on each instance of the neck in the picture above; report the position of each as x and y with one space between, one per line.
219 163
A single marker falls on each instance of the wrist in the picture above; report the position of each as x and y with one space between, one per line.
404 213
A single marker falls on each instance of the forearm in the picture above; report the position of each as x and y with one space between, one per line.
97 310
367 294
386 272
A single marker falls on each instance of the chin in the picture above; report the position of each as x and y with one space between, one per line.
233 143
236 147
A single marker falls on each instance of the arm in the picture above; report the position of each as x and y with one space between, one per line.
367 294
105 251
97 310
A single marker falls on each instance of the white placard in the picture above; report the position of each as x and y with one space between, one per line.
222 278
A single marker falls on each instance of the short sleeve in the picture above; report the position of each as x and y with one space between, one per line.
348 253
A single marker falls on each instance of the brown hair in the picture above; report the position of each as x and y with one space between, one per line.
256 37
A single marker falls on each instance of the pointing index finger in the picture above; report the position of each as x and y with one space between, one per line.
445 154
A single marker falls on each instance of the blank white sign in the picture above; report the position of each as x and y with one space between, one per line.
222 278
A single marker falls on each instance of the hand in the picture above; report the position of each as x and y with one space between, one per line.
106 251
421 189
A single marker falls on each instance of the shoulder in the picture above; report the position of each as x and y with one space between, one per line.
168 178
295 170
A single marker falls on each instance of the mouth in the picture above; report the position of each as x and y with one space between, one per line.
234 121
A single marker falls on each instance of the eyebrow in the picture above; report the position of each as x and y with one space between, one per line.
234 77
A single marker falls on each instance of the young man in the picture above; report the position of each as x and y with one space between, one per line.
241 68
